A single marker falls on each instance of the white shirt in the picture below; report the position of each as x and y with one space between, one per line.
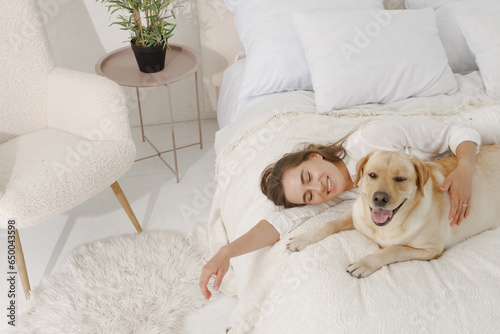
428 140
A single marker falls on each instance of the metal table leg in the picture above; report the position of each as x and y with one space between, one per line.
173 133
198 107
140 112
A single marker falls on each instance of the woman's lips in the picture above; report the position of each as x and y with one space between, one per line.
329 185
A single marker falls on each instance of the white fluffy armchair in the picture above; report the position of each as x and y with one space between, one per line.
64 135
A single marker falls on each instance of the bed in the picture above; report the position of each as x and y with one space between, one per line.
310 291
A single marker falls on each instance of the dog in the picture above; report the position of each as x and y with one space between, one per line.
401 208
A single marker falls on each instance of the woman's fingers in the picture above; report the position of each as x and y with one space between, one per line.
218 279
454 210
204 278
459 211
459 185
452 216
467 210
459 216
464 212
218 266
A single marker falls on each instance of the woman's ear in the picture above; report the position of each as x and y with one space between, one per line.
315 155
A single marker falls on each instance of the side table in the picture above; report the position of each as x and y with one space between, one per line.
121 67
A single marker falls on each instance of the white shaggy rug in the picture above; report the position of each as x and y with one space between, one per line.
138 283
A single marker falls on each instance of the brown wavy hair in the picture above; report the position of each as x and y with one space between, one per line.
271 178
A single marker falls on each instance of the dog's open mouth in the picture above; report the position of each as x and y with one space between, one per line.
382 217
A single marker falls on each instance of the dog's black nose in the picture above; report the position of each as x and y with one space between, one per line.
380 198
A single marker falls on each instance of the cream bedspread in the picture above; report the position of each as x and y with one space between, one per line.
310 291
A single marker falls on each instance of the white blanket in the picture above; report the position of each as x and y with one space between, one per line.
310 291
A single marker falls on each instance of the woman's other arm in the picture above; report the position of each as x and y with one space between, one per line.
266 233
261 235
428 139
459 182
464 142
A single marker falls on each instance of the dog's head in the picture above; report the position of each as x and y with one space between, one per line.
387 180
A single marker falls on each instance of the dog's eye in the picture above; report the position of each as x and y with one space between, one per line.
399 179
372 175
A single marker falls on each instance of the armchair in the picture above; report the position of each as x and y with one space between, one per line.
64 135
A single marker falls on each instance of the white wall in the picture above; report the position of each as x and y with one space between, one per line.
80 34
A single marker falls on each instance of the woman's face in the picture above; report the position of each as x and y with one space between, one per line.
314 181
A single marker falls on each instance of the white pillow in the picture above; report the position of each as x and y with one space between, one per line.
459 54
359 57
275 59
483 37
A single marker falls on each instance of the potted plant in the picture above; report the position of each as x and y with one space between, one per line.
150 27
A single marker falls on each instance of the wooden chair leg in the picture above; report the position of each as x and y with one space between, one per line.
126 206
21 266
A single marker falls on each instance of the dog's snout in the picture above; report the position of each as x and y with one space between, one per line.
380 198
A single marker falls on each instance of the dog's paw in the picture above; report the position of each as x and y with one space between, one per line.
299 243
362 268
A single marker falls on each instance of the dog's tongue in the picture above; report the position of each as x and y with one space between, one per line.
380 215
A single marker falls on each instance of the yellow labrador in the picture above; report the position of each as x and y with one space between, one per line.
401 209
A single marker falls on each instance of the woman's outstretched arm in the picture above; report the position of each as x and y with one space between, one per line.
261 235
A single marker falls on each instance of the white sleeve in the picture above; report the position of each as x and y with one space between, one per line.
286 220
426 138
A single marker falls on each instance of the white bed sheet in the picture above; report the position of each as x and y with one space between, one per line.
237 116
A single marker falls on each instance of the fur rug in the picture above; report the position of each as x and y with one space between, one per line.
138 283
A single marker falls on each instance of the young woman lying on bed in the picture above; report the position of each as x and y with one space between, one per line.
305 182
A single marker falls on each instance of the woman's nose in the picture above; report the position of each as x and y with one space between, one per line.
317 186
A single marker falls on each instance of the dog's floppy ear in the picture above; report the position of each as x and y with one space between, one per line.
359 168
422 173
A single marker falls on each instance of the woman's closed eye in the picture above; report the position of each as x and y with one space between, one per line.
308 196
306 180
310 192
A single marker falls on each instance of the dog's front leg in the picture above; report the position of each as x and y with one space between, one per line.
373 262
300 242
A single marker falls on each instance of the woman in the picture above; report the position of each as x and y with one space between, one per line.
305 182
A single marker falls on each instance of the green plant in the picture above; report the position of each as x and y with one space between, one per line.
146 20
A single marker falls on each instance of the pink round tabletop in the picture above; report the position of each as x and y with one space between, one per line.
121 67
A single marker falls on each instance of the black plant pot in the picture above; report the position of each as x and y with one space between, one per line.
150 59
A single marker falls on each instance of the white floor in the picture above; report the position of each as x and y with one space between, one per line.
158 202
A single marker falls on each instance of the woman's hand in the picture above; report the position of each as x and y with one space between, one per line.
261 235
459 183
218 265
